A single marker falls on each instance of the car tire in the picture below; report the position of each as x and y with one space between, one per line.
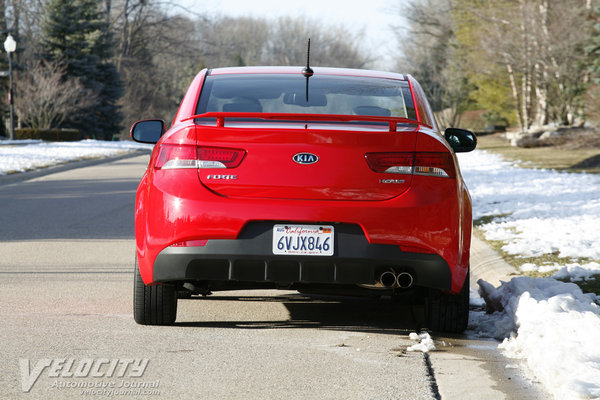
447 312
153 305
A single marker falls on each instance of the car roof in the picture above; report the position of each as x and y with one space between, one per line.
317 71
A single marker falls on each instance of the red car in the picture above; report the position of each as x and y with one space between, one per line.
318 180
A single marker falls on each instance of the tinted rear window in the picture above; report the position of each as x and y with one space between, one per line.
327 94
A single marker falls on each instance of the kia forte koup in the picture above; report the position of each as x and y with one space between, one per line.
318 180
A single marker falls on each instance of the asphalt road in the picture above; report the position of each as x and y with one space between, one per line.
66 271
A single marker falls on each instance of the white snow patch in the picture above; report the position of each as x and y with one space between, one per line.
24 155
19 142
425 344
537 211
552 326
571 271
577 272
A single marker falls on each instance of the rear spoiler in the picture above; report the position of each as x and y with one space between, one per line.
221 116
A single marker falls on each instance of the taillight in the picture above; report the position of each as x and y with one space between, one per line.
394 163
214 157
431 164
435 164
172 156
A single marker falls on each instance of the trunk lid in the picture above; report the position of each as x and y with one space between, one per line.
308 161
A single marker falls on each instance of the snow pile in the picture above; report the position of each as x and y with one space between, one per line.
550 325
425 344
536 211
19 156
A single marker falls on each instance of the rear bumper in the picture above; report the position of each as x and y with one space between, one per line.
249 258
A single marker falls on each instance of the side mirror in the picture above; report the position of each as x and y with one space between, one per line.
461 140
148 130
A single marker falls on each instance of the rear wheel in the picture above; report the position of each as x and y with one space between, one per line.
153 305
448 312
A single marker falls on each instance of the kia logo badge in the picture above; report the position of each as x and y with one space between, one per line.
305 158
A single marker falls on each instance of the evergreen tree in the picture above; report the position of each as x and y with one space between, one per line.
76 35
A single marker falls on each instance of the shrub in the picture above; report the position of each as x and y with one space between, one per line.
50 135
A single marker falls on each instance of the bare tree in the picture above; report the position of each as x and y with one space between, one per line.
539 44
228 41
46 99
331 46
530 50
432 55
240 41
157 56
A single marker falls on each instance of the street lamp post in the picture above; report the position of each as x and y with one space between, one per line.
10 46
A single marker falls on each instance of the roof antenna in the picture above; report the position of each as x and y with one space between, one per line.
307 71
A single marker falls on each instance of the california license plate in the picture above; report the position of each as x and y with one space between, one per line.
306 240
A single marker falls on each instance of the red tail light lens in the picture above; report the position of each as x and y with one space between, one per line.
176 157
395 163
187 156
435 164
431 164
214 157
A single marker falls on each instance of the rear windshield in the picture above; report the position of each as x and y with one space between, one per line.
286 93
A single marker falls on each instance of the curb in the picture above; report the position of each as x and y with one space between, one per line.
486 264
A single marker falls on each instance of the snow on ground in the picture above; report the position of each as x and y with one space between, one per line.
537 212
552 326
24 155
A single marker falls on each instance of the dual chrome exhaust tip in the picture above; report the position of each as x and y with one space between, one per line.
390 279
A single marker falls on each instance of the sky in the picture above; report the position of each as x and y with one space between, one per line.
370 19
